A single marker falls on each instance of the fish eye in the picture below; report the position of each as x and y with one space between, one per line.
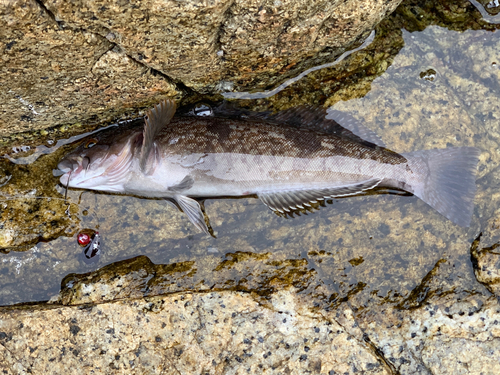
90 143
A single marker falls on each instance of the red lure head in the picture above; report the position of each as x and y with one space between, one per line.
83 239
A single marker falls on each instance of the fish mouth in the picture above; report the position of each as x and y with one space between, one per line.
74 172
67 167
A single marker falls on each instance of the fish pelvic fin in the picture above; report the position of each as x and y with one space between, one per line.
194 212
284 202
156 119
449 180
186 184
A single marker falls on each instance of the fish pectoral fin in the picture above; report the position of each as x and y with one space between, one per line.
186 184
287 201
193 211
156 119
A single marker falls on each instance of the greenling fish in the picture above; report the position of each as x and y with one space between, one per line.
282 159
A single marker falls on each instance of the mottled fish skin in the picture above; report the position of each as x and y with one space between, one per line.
231 157
285 166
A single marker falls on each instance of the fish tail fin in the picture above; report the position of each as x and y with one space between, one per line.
449 180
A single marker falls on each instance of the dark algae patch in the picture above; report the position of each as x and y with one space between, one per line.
139 277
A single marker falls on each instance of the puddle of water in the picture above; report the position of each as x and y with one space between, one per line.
441 90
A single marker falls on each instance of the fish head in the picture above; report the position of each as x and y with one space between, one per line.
102 161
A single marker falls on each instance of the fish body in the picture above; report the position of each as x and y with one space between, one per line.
288 168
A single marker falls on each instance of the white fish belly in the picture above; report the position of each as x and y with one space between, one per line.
233 174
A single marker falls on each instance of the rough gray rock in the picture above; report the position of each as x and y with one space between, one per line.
233 333
214 333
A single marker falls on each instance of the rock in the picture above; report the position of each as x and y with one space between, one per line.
93 62
213 332
485 255
231 332
250 44
55 75
30 208
262 274
447 335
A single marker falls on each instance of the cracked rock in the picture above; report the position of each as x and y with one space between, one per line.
92 61
485 256
260 40
442 337
52 74
214 333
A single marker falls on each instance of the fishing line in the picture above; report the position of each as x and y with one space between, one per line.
67 185
85 212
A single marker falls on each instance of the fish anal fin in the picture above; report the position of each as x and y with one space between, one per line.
285 202
156 119
194 212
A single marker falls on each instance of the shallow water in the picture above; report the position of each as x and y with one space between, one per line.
442 90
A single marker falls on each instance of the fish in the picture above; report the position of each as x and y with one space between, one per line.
293 160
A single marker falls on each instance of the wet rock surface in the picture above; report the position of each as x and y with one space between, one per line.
485 256
31 210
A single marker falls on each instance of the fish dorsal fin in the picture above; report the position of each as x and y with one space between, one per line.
350 123
309 117
156 119
331 122
291 200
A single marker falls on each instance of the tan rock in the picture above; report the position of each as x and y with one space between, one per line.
53 75
447 335
96 61
247 43
214 333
